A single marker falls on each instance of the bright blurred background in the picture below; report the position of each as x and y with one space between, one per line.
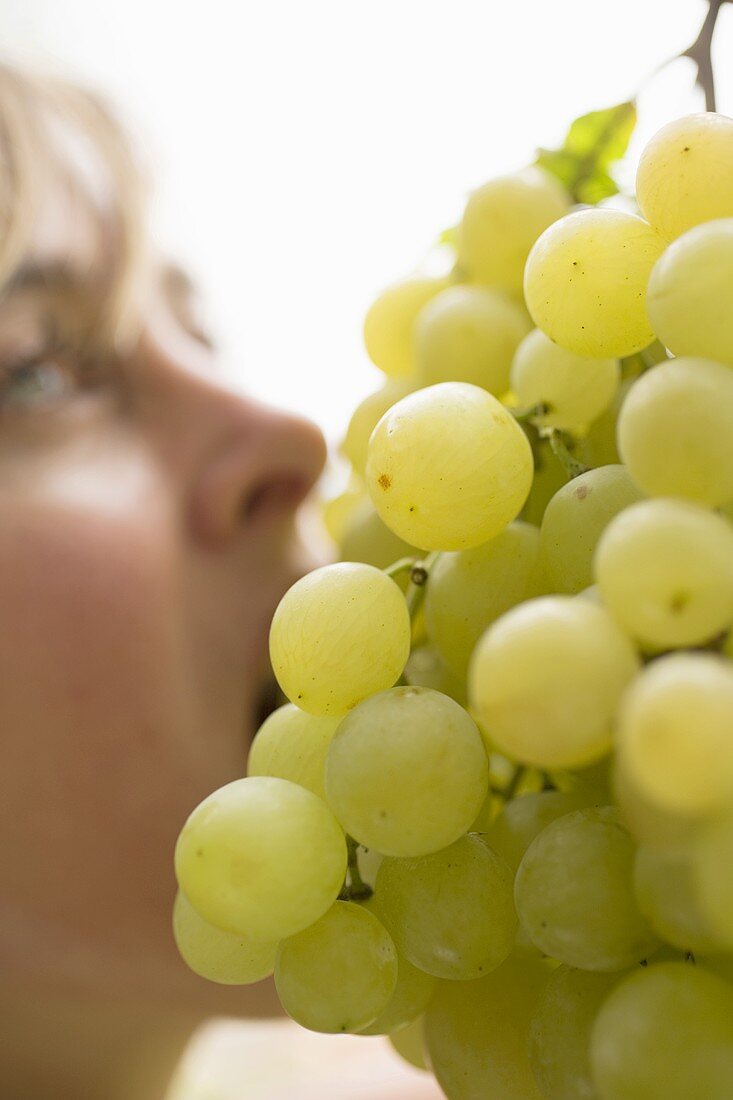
305 155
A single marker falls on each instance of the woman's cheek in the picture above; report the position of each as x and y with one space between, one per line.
94 700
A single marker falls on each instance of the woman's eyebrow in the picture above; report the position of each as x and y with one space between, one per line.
43 275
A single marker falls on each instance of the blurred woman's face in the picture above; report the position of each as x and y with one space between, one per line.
146 535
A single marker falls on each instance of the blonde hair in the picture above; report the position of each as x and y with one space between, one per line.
52 132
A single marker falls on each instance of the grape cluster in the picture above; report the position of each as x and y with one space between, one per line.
495 820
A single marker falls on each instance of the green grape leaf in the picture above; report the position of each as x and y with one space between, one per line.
592 144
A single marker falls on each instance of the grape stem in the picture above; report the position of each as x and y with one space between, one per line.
701 53
513 785
559 447
531 413
404 565
354 889
419 577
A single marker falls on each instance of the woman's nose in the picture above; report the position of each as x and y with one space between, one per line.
241 464
259 469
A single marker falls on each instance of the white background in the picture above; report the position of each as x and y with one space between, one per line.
307 152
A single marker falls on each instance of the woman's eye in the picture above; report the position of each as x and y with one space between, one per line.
40 382
47 380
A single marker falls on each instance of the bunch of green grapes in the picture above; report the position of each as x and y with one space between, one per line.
494 820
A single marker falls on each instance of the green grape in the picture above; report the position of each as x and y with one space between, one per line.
390 320
592 785
337 511
550 475
441 497
338 974
477 1033
559 1035
450 913
261 857
666 1031
367 415
666 892
293 745
675 738
522 819
426 668
501 222
665 571
575 388
585 282
574 521
574 893
650 824
406 772
713 867
409 1042
546 679
721 965
685 173
675 432
469 334
411 994
216 955
339 634
367 539
598 446
689 292
470 589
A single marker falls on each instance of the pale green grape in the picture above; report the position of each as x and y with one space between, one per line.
450 913
522 819
339 634
713 866
409 1042
675 433
665 1032
406 772
477 1033
665 571
721 965
575 388
550 475
389 323
574 521
690 290
426 668
651 825
293 745
585 282
412 990
338 509
666 892
592 784
598 446
216 955
574 893
501 222
559 1035
367 415
338 974
675 734
261 857
367 539
469 589
685 173
546 679
448 467
469 334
